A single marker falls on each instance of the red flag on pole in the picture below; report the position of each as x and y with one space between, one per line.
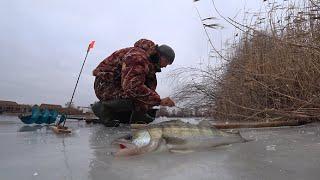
91 45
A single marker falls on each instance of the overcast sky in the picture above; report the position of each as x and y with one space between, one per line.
43 43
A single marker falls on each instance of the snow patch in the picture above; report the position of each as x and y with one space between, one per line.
271 147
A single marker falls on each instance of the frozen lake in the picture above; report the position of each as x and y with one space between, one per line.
35 152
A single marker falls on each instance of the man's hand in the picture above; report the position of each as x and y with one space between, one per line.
167 102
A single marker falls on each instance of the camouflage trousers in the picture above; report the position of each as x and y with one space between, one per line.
113 112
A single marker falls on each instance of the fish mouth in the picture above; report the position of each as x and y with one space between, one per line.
125 147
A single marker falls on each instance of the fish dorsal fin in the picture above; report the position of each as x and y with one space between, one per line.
175 121
205 123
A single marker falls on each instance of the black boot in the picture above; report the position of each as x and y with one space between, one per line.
112 113
143 118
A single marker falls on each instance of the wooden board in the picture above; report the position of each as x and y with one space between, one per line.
59 130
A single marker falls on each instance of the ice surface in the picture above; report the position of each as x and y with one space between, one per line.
271 147
35 152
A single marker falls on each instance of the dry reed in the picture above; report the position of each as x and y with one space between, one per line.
272 73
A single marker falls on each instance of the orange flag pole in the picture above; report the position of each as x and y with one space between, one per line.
91 45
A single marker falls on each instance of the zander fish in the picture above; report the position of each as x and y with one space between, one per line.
174 136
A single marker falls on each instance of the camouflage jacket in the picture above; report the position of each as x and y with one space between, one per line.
129 74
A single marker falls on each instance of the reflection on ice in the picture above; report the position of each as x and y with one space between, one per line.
271 148
29 128
86 154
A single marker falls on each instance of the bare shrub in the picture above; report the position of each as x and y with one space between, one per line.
273 73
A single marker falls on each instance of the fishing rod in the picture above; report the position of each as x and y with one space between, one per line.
75 87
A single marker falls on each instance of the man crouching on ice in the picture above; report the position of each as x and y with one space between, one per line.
126 82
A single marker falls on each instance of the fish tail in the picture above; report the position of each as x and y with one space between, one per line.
244 140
